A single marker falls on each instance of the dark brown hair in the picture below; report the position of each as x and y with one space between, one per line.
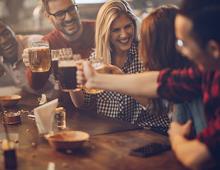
204 15
157 46
45 4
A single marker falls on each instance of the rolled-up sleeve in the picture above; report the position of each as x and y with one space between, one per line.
186 85
211 137
179 85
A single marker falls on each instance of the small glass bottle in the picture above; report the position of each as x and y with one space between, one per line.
60 118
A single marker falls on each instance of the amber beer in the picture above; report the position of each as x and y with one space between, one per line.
39 59
99 69
67 75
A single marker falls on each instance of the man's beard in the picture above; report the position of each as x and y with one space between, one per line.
75 25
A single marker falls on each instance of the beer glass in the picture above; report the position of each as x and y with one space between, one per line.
54 57
97 64
39 56
67 67
60 118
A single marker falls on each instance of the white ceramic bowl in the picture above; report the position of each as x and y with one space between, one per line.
10 100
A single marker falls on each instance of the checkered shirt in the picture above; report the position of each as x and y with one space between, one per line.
123 107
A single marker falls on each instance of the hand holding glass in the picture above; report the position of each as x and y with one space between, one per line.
39 57
97 64
67 67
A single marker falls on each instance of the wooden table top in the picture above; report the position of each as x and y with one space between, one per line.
108 147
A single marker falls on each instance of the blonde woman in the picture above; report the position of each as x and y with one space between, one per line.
116 45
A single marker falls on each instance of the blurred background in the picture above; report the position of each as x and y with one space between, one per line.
26 16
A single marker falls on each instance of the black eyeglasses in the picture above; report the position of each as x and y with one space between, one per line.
60 15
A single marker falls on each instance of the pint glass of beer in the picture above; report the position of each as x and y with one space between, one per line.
67 67
97 64
39 56
55 57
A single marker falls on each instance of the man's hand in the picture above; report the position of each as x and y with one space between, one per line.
111 69
191 153
178 129
2 71
25 57
85 73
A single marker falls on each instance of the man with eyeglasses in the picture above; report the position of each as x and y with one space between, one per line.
69 32
197 30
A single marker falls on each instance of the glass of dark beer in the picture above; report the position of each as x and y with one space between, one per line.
67 67
54 64
39 56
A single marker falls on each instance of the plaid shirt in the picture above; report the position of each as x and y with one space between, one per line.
116 105
181 85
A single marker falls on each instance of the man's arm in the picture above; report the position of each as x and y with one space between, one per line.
191 153
142 84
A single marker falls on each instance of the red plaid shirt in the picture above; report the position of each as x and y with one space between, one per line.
187 84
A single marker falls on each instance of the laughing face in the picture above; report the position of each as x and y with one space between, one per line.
122 34
8 44
205 59
65 17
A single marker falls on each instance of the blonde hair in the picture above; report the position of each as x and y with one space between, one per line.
109 11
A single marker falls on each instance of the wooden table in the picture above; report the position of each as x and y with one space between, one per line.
108 147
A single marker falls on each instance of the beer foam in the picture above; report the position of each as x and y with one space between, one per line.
66 63
38 48
55 59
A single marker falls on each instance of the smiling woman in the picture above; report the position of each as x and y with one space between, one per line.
116 45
